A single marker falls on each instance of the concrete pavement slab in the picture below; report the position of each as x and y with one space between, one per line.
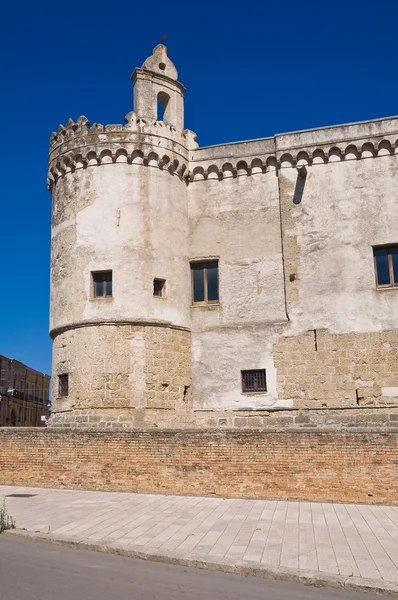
347 545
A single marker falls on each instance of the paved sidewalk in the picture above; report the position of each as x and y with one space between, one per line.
343 540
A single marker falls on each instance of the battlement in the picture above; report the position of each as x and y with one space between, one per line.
350 141
78 145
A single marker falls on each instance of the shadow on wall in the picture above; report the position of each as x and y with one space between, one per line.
300 185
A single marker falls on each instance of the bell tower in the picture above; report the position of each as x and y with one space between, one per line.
158 96
120 275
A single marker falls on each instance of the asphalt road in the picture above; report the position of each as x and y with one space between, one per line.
31 570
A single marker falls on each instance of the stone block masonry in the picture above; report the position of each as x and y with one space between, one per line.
355 466
320 369
129 367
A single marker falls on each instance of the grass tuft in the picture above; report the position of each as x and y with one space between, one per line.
6 521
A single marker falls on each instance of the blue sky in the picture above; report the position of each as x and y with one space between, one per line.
250 69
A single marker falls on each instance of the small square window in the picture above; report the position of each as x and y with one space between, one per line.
159 288
102 284
254 381
63 385
205 282
386 266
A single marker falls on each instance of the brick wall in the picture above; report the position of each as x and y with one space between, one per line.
329 466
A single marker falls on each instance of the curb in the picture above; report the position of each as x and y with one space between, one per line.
254 569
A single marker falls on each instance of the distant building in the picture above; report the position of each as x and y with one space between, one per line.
24 394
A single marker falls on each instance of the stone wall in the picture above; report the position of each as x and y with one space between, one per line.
329 466
320 369
185 418
115 366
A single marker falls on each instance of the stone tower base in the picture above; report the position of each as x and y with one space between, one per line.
128 369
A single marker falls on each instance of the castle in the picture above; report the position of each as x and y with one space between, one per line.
236 285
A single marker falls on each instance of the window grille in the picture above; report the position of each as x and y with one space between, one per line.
254 381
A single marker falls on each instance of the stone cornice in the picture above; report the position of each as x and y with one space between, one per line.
138 142
115 323
317 146
160 145
247 165
151 74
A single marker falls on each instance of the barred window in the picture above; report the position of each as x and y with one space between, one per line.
63 385
386 266
254 381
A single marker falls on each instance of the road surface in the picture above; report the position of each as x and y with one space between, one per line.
31 570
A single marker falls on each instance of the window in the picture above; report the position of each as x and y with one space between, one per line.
254 381
102 284
63 385
159 288
205 282
386 266
162 102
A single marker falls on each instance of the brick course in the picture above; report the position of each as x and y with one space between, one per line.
355 466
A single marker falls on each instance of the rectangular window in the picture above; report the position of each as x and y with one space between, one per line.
159 288
63 385
254 381
205 282
386 266
102 284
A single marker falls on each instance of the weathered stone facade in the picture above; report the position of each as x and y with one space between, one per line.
292 220
320 369
112 377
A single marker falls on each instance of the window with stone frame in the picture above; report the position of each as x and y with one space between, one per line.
386 266
159 288
204 279
102 284
63 385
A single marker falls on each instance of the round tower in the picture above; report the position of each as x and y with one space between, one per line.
120 278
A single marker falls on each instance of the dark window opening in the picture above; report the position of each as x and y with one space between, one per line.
254 381
205 282
159 287
386 266
63 385
162 102
102 283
